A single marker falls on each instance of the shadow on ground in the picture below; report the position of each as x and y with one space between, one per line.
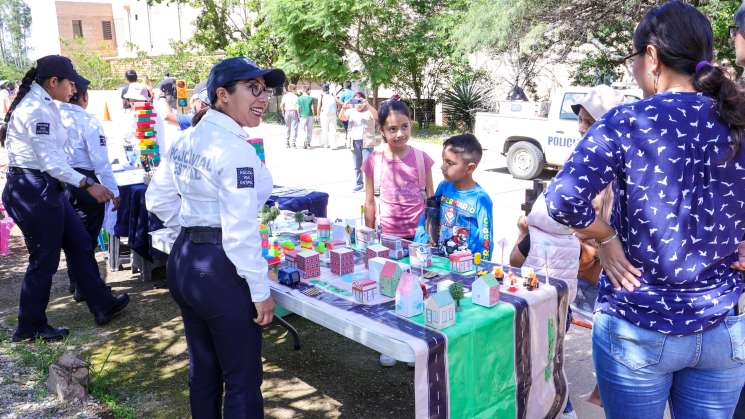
142 360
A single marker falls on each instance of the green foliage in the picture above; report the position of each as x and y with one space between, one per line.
264 47
268 214
595 69
186 63
300 218
11 72
721 13
460 104
103 387
90 65
39 355
15 21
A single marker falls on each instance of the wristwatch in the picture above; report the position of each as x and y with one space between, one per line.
89 181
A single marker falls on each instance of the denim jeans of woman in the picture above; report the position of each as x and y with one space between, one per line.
640 370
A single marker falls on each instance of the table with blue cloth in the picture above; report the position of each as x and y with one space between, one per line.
135 222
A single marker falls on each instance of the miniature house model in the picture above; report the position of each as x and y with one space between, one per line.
409 297
439 310
394 245
323 225
364 291
461 261
335 244
420 255
309 263
291 258
374 251
390 275
342 261
485 291
364 235
375 267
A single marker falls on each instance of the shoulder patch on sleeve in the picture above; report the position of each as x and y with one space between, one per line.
245 177
102 140
42 128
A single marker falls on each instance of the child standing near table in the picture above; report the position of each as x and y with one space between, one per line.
464 206
399 175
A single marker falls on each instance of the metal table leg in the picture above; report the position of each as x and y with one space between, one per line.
295 337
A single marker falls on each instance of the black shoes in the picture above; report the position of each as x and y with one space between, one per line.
120 302
78 297
47 333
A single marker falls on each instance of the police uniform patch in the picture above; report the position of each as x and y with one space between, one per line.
245 177
42 128
102 140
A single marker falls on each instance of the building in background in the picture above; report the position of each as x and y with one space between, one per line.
113 28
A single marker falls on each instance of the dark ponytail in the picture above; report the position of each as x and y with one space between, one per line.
685 43
25 86
714 82
198 116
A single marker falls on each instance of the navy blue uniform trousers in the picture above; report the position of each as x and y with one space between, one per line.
91 213
38 205
224 341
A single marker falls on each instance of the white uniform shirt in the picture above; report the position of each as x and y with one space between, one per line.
36 137
86 144
328 104
212 177
289 100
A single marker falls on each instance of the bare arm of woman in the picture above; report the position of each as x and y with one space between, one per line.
612 256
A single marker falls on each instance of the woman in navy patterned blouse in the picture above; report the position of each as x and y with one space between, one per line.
667 326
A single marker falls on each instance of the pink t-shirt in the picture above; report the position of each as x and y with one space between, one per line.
401 200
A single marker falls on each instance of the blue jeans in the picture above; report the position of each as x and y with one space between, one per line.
639 370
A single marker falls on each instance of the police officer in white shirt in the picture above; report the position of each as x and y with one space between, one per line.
34 198
87 154
213 184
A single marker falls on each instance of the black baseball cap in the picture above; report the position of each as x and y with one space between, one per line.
55 66
81 83
240 68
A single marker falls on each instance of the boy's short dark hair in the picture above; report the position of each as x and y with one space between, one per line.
467 146
131 76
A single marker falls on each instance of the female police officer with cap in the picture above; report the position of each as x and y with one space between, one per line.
87 154
213 184
34 198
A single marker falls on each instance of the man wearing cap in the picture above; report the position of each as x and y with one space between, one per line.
132 83
33 196
88 154
212 185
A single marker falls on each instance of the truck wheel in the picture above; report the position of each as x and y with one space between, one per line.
525 160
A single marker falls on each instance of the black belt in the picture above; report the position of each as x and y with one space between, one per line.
13 170
201 235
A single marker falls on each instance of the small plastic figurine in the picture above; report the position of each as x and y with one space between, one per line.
513 281
498 273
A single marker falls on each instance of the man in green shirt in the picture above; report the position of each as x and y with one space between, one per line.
307 112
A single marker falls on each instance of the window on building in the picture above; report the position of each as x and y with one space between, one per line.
107 32
77 28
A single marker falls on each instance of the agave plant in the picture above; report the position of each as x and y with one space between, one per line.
461 102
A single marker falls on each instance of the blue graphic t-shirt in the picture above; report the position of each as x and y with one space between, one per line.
679 209
465 220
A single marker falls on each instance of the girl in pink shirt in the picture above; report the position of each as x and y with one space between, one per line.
397 174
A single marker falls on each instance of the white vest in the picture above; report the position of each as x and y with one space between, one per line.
555 242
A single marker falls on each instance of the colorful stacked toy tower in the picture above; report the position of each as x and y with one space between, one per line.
146 134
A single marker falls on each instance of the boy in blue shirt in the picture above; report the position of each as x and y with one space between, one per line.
465 208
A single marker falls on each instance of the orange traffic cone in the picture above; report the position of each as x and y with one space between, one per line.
106 114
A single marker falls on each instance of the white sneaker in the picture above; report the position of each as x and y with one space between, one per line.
386 361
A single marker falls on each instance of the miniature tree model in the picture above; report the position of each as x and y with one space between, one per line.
267 215
299 218
456 291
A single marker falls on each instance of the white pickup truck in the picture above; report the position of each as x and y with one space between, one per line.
532 142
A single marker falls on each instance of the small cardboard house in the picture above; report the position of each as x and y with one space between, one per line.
334 244
374 251
291 258
364 236
461 261
288 276
309 263
409 297
342 260
485 291
420 255
390 275
364 291
375 267
394 244
323 225
439 310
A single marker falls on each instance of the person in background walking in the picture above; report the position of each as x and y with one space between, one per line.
307 112
289 107
345 96
327 114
